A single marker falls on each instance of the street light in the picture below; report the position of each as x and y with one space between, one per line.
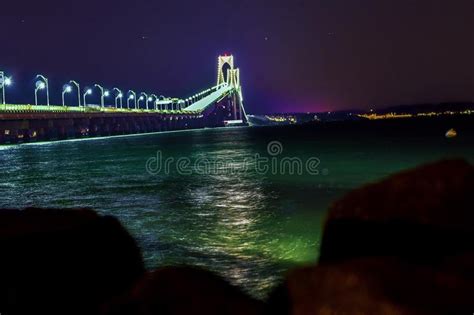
131 96
148 100
86 92
143 96
151 99
46 86
103 94
78 92
66 89
162 98
40 85
4 81
118 96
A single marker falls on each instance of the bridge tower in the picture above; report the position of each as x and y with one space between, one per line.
232 78
221 62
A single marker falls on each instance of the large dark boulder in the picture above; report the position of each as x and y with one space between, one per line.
425 213
63 261
373 286
400 246
184 290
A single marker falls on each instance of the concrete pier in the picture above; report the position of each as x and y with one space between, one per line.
32 127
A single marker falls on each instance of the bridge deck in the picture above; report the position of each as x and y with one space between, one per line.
31 109
196 108
203 103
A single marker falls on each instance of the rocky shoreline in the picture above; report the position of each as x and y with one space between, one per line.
399 246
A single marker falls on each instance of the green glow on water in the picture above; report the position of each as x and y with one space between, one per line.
250 228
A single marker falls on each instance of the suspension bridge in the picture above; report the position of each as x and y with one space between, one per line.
218 106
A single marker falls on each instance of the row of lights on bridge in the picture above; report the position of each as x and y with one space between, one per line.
42 83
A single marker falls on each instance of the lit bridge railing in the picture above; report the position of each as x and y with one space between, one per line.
18 108
193 106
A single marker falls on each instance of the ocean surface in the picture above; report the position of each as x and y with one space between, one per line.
247 203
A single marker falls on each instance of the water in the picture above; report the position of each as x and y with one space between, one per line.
248 226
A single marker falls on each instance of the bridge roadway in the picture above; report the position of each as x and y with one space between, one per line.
213 97
197 104
30 123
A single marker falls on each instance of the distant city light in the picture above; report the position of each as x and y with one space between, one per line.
106 93
8 81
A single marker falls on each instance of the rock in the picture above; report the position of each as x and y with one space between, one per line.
373 286
184 290
63 261
400 246
425 213
330 289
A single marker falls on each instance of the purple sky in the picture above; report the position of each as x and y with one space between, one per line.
294 55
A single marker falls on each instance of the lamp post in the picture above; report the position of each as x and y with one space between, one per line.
142 97
40 85
86 92
131 96
66 89
78 92
103 94
118 96
148 100
4 82
46 86
151 99
162 98
106 94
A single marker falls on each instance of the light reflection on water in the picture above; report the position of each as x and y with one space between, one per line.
250 228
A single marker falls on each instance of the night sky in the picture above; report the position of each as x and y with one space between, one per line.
295 56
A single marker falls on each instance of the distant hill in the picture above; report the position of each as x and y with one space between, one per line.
299 118
426 108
